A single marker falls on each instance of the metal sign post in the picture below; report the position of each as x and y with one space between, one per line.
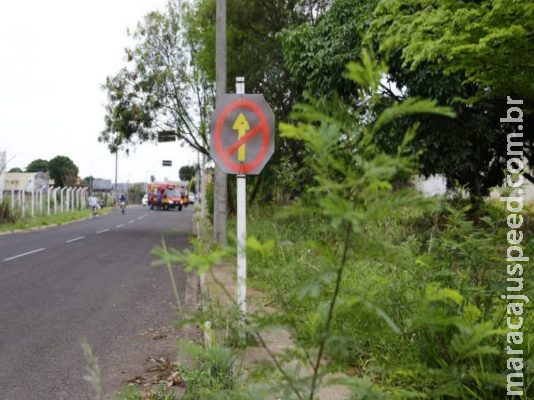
241 211
241 143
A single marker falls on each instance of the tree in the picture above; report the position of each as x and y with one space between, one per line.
15 169
159 92
187 172
317 52
88 182
453 52
38 165
193 185
469 55
63 171
489 42
255 52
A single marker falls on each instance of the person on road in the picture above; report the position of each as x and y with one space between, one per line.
122 203
93 203
160 198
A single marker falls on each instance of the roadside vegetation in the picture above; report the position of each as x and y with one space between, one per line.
419 311
402 294
12 219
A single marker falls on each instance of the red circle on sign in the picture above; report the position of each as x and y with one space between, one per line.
226 153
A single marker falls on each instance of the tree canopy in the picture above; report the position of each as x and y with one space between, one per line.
63 171
489 42
317 51
255 52
159 91
469 55
38 165
458 53
187 172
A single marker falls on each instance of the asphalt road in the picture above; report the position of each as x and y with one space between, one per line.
91 279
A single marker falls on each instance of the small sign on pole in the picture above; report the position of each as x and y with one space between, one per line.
166 136
241 143
167 163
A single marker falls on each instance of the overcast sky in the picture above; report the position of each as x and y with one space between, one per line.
54 55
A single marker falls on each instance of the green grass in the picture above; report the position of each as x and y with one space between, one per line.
45 220
419 298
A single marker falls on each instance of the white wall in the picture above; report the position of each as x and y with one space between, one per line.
431 186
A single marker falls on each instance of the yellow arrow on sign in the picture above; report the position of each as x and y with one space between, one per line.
241 125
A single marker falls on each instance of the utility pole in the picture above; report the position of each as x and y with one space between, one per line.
116 169
220 208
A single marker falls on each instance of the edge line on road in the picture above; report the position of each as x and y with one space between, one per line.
102 231
75 239
132 221
24 254
119 226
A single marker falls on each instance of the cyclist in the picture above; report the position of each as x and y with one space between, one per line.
93 203
122 203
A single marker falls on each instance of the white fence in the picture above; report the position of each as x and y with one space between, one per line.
47 200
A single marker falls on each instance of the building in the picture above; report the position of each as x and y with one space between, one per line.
27 181
101 185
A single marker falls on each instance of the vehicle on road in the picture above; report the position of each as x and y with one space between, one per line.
164 196
123 207
191 197
144 201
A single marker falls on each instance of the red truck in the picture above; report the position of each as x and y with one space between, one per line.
165 196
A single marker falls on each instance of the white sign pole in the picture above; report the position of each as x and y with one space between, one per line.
241 229
241 243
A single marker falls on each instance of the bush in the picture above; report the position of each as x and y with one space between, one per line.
7 214
416 312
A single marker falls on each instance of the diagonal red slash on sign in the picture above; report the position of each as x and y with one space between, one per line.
226 154
248 136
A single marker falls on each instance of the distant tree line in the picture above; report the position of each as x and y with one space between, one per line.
60 168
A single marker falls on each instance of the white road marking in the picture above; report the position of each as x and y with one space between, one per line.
75 239
23 254
102 231
132 221
119 226
141 217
